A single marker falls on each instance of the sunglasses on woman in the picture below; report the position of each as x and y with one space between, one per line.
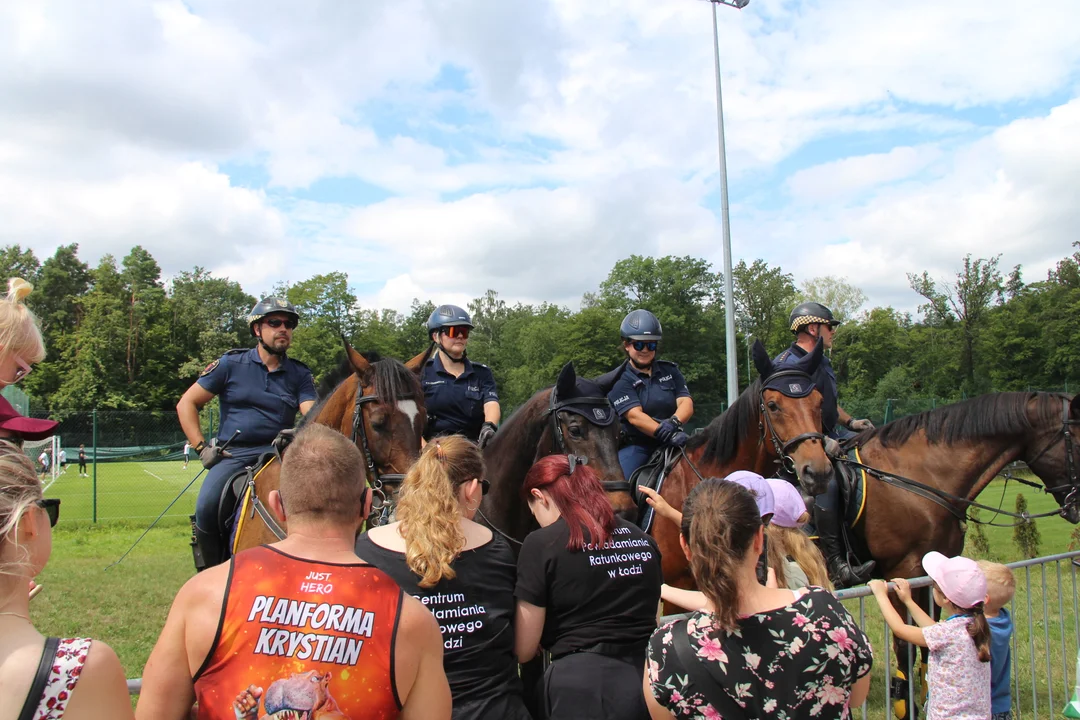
52 509
456 332
649 345
278 322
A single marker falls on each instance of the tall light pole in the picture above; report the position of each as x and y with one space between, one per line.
729 292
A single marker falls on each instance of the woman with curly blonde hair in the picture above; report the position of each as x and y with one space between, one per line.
461 571
20 338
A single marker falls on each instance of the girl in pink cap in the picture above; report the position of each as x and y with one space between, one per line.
959 668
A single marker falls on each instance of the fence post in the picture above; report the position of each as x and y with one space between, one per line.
94 482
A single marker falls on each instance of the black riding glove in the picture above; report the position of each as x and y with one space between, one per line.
211 455
487 431
678 439
665 431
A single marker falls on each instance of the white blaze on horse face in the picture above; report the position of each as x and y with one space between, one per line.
410 409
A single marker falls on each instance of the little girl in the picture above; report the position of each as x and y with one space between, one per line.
959 668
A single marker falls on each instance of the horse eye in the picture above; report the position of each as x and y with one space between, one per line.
575 432
380 419
773 406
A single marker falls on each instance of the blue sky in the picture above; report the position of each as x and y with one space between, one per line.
439 148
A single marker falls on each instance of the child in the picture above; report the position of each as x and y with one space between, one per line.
792 554
959 668
1000 587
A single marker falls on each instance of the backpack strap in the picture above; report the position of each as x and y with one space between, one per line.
33 698
700 676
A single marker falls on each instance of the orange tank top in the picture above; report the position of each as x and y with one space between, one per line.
313 638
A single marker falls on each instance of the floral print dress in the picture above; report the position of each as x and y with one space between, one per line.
66 668
795 662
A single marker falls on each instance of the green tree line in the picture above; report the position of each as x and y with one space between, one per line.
120 337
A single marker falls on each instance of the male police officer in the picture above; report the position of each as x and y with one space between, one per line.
260 391
811 322
650 395
460 395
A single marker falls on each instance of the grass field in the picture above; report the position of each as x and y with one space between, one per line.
127 604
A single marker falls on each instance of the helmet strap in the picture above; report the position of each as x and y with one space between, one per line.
646 366
460 359
272 350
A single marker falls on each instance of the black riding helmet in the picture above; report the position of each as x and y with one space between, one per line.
448 316
811 313
267 306
640 325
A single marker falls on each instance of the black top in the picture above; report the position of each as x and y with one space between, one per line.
825 380
475 611
606 595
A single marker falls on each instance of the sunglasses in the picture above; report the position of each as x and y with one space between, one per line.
649 345
456 332
52 509
278 322
484 487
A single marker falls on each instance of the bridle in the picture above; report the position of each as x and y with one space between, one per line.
382 484
558 441
783 449
1072 473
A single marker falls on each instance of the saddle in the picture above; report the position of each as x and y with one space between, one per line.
852 483
652 475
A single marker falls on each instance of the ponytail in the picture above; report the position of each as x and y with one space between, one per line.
979 630
724 519
429 510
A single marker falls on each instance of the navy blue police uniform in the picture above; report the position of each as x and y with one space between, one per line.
656 395
825 380
257 402
455 405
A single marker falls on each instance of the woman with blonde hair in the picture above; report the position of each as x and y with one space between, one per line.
461 571
20 338
72 678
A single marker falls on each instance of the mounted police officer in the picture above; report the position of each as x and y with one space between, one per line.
650 395
460 396
260 391
811 322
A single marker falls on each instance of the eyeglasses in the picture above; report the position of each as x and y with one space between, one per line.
22 371
649 345
456 331
278 322
52 509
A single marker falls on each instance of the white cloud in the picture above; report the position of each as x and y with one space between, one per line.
842 178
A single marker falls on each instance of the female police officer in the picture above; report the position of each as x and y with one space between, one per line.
260 391
460 395
650 395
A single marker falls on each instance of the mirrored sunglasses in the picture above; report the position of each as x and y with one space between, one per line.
52 509
649 345
278 322
456 331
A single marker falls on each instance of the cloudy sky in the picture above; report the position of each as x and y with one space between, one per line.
437 148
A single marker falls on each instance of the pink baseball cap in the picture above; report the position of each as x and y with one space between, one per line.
958 578
758 486
789 505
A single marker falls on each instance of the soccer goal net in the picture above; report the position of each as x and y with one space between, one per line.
46 455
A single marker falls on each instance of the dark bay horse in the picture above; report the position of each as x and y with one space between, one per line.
376 402
574 417
774 422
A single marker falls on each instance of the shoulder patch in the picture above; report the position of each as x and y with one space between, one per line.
209 368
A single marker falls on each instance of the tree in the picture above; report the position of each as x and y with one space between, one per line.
16 262
837 294
1026 534
208 318
763 299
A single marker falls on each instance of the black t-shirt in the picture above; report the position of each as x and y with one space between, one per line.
606 595
475 611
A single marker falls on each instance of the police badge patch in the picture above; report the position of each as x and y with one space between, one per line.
209 368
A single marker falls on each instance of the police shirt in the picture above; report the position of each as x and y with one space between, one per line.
475 610
254 400
595 595
825 380
455 405
655 394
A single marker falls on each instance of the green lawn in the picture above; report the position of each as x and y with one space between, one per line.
127 604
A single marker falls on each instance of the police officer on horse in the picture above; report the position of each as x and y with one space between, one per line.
259 391
812 322
650 395
460 395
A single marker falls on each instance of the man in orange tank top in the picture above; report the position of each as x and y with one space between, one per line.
302 628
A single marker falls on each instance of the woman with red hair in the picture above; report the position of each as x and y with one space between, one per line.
587 591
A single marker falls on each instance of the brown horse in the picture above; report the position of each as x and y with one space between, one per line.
775 422
376 402
574 417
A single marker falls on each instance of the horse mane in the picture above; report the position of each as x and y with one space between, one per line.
516 428
722 436
991 415
393 381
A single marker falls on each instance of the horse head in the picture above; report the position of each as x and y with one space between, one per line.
1058 467
790 407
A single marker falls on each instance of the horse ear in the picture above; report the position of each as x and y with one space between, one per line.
356 360
607 381
417 363
762 361
564 386
814 359
1074 406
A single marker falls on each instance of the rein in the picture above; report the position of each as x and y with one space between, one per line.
382 506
